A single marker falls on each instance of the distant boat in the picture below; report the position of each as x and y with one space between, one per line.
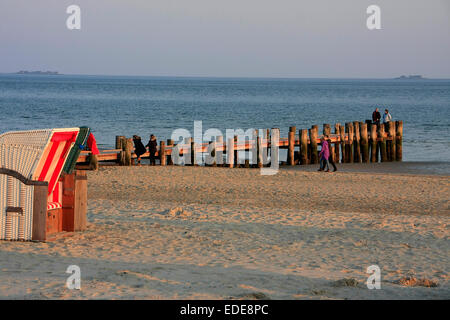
411 77
38 72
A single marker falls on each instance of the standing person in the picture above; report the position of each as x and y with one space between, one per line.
376 116
139 148
330 158
152 144
324 155
386 116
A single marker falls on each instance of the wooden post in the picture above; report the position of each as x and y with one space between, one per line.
342 136
392 143
259 150
169 160
291 146
219 154
337 133
274 156
374 143
303 146
314 132
39 213
230 152
364 142
129 150
399 140
74 201
236 152
332 152
125 154
119 142
122 145
356 143
326 129
265 152
93 162
349 145
162 153
193 153
382 143
211 156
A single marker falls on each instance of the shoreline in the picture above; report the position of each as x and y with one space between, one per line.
401 167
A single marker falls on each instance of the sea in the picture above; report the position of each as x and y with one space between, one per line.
128 105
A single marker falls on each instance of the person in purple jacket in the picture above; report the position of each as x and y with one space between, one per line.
324 155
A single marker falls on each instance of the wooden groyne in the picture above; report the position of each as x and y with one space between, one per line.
353 142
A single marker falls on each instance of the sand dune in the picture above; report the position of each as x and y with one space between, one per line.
218 233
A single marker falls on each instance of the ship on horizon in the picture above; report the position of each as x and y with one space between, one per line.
38 72
411 77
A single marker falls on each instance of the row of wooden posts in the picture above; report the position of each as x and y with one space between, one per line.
350 143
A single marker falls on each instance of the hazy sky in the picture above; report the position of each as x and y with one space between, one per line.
253 38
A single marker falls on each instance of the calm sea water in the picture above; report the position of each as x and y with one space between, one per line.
142 105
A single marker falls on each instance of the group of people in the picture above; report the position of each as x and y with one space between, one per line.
326 158
376 116
324 155
140 149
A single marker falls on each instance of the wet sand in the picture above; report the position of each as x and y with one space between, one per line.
415 168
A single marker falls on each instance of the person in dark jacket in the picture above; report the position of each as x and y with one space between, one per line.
376 117
139 148
152 144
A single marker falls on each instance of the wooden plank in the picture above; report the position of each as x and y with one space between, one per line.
337 144
68 202
303 146
230 153
162 151
382 143
80 213
291 146
374 143
364 142
39 212
349 144
356 142
392 143
314 132
399 140
342 136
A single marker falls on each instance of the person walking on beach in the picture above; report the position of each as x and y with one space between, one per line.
324 155
152 144
139 148
386 116
376 116
330 158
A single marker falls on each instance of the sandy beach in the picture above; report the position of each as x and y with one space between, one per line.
218 233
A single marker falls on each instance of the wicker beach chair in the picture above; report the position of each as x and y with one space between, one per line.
31 189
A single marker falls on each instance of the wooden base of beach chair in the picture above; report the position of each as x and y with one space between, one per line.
54 221
74 201
48 223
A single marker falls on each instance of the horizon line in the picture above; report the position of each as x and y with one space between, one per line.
224 77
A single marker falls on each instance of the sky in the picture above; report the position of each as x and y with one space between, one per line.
228 38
